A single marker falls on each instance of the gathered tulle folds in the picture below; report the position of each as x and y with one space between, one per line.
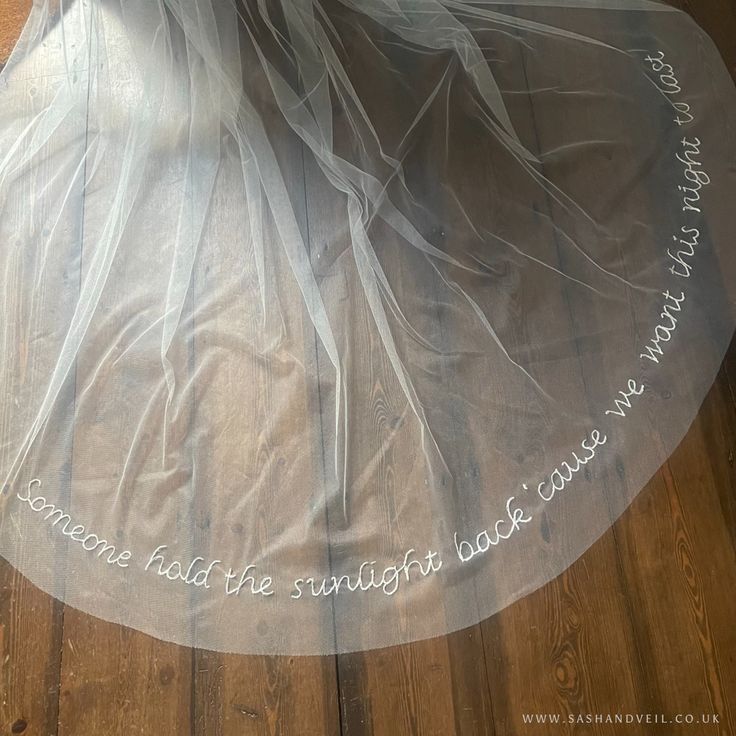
333 324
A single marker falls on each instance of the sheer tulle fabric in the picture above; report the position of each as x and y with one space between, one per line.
333 325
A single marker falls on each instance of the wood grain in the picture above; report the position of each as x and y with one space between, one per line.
30 621
266 695
30 647
112 679
643 622
436 686
576 632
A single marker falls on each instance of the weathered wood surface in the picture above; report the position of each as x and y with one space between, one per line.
642 623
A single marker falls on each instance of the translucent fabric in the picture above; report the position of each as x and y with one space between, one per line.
334 324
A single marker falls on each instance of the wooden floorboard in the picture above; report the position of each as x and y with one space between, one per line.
643 622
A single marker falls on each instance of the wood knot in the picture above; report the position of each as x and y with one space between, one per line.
166 675
245 711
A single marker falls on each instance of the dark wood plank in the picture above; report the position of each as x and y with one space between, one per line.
671 553
106 667
663 619
115 680
673 578
30 620
675 581
236 694
30 647
436 685
574 637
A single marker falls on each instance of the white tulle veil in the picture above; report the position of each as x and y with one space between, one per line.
334 324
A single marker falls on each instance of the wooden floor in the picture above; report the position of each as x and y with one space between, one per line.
669 564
